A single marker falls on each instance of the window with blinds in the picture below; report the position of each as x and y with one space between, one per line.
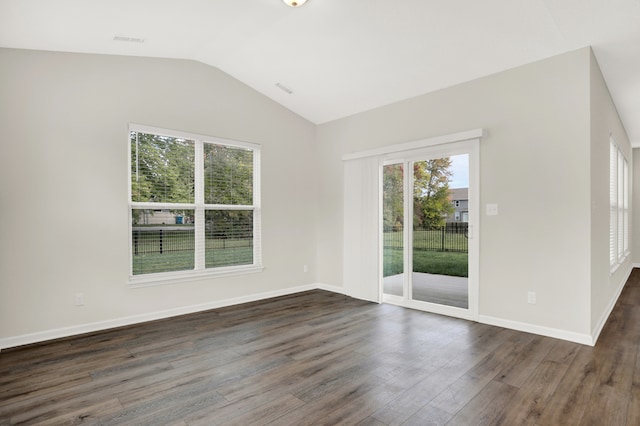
619 206
194 205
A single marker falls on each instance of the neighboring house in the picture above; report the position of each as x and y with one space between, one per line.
158 217
163 217
460 200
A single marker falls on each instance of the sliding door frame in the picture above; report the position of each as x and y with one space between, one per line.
407 157
362 221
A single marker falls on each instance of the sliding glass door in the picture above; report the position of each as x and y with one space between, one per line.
393 208
440 255
429 208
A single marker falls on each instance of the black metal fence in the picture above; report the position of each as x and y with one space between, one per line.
167 239
451 237
162 239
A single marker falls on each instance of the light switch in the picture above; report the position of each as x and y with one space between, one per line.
492 209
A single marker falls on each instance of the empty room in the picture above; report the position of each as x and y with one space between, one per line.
319 212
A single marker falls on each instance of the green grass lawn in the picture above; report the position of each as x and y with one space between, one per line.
430 262
149 263
228 252
219 252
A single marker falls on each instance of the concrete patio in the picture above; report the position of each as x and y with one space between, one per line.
440 289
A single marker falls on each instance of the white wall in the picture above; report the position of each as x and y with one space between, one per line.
535 163
63 184
605 287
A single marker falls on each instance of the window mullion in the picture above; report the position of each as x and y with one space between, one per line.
161 206
228 207
199 225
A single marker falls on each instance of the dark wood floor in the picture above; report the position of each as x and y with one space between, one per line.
322 358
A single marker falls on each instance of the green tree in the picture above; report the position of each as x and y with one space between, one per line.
162 169
228 180
431 192
392 181
228 175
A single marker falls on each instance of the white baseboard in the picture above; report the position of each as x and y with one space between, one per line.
584 339
570 336
331 288
612 303
41 336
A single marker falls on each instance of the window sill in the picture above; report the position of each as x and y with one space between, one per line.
613 269
150 280
618 264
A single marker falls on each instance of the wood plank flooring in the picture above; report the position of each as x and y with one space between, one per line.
322 358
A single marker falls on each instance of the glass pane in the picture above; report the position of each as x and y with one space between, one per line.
162 241
229 238
228 175
393 223
440 231
162 169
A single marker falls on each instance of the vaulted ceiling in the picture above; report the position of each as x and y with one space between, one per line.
341 57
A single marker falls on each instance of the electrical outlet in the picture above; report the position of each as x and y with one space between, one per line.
305 268
79 299
531 297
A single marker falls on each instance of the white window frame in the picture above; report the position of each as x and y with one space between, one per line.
619 206
199 208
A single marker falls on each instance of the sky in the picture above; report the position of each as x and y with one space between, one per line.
460 169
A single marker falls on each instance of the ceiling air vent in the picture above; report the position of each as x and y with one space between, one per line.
128 39
284 88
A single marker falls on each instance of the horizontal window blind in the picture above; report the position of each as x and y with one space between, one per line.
625 207
162 169
613 201
228 175
194 203
158 246
228 238
619 205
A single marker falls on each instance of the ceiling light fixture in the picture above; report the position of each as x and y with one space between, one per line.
294 3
